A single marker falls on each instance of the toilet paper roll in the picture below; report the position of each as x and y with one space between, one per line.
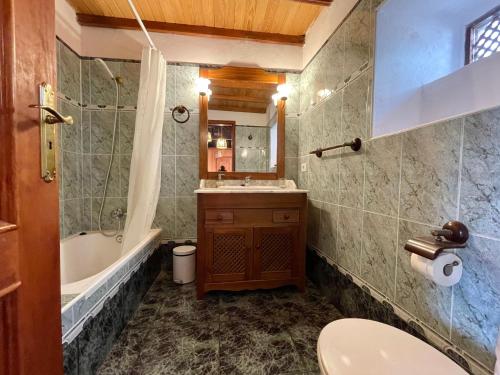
434 269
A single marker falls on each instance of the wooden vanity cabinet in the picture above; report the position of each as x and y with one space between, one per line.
250 241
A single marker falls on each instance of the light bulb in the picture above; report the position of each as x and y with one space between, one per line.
324 93
202 85
221 143
284 91
275 98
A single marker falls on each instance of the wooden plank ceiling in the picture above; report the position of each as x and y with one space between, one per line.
278 21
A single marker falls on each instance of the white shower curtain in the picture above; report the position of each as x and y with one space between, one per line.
145 166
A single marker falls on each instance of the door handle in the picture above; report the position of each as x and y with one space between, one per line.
48 118
53 117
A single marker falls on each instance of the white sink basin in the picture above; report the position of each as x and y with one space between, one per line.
256 186
358 346
250 187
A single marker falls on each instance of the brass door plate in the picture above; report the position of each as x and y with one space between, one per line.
47 135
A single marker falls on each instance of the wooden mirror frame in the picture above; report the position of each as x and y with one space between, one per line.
254 77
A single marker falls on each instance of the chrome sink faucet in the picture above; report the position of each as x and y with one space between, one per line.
247 180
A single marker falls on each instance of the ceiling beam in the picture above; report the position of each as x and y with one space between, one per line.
315 2
240 98
177 28
223 107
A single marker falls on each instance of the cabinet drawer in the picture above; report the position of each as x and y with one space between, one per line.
218 216
286 216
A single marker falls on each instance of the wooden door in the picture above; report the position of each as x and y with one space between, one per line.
229 254
30 311
275 252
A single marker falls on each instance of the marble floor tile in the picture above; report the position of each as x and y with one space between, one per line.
304 337
253 332
276 355
124 357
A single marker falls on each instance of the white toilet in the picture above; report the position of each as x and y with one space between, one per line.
366 347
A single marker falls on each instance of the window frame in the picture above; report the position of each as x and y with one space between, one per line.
469 30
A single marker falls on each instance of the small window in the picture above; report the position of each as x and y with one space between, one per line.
483 36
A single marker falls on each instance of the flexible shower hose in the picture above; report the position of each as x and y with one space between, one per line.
109 168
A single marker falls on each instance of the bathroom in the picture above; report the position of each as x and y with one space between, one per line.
250 187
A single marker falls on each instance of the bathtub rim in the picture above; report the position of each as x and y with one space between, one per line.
100 278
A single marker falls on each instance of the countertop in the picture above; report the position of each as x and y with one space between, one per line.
249 191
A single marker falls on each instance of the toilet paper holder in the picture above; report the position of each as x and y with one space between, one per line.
453 235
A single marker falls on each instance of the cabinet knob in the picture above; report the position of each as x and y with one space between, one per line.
219 217
286 216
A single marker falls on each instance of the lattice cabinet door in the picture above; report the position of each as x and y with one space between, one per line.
275 252
229 254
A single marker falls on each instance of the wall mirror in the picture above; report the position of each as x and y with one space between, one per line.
242 123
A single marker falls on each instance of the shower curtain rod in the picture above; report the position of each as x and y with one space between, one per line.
138 18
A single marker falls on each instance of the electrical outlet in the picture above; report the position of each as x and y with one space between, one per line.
303 167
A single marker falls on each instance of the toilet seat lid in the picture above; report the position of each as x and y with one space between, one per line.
359 346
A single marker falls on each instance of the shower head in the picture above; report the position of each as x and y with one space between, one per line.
105 67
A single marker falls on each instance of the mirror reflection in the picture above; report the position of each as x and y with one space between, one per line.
242 127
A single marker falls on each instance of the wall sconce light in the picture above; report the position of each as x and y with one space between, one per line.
209 93
284 91
209 137
202 85
282 94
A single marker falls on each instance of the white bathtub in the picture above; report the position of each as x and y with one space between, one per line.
88 258
93 271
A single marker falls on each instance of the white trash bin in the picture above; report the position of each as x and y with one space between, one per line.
184 264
